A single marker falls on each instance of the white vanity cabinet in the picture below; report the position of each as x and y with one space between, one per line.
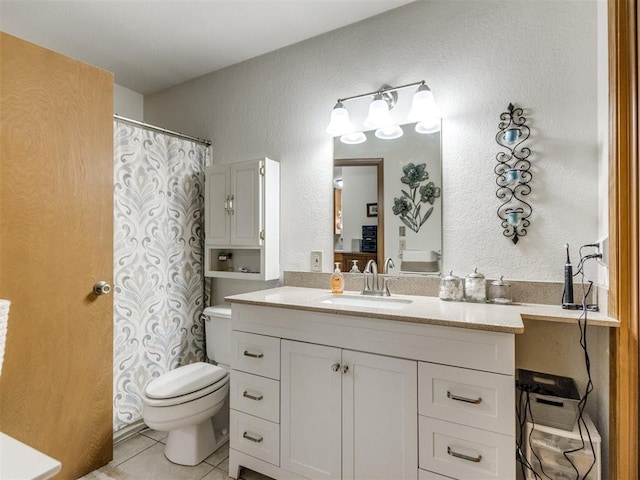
242 208
367 398
347 414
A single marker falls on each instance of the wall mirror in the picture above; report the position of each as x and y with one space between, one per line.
388 203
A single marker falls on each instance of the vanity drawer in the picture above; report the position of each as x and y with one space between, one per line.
255 436
424 475
255 395
478 399
464 452
256 354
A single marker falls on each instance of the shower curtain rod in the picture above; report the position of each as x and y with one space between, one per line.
162 130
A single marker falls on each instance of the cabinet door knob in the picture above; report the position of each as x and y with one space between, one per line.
335 367
345 368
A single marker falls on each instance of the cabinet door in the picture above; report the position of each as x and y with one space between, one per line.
246 194
310 410
380 411
216 199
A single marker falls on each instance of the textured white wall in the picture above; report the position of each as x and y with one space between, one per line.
477 56
128 103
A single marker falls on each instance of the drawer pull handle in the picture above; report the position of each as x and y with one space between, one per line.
253 439
251 397
475 401
253 355
464 457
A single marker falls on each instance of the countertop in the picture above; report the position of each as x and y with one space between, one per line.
422 309
21 462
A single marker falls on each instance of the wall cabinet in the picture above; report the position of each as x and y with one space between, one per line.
367 398
242 218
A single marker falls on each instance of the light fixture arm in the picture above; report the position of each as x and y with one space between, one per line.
381 91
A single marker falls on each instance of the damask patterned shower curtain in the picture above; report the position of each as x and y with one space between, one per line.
158 282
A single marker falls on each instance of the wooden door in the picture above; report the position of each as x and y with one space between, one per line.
216 193
310 416
56 242
246 219
379 417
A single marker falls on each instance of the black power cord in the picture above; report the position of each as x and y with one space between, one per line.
522 415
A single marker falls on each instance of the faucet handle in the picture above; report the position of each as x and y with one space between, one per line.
388 263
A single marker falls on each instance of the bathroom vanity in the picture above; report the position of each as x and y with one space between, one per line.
406 387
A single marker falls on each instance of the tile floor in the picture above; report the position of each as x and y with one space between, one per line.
142 457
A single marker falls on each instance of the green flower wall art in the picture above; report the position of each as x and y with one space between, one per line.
409 205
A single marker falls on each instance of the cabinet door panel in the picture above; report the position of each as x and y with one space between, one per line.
380 408
310 410
217 220
246 220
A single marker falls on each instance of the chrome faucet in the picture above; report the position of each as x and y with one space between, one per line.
375 288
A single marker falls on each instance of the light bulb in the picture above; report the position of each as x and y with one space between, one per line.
429 125
379 115
422 105
353 138
389 133
339 123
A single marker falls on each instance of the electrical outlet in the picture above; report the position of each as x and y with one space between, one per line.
316 261
403 245
603 248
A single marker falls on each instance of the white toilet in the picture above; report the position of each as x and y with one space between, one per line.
191 402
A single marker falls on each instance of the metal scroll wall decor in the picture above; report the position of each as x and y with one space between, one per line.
513 173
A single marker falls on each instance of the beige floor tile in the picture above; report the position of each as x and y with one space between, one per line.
217 474
130 447
151 464
155 434
217 457
224 465
108 472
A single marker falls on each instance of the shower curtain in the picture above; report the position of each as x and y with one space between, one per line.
158 255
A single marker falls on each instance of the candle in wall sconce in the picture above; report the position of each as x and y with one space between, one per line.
512 175
511 135
514 217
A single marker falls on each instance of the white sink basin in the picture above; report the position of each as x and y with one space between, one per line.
387 303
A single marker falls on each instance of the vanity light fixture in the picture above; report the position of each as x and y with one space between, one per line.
423 112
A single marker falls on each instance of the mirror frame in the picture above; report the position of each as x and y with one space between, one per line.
379 164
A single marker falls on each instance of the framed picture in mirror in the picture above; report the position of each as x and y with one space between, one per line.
372 209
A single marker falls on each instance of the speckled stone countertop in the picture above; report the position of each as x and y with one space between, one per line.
421 309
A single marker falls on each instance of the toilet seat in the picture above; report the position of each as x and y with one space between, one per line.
185 384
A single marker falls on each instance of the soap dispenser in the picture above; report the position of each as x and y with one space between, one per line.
337 280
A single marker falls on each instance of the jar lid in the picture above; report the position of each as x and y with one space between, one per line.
500 282
451 276
475 274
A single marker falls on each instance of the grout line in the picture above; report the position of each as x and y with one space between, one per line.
138 453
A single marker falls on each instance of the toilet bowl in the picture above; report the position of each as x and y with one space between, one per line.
191 402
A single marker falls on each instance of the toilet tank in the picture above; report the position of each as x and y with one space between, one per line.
217 332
